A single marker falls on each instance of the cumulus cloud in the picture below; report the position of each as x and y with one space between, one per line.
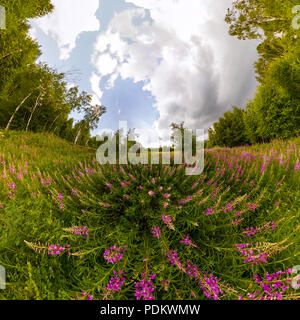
183 54
69 19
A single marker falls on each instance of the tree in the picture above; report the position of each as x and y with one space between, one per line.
229 130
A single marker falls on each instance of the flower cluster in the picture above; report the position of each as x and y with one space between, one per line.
272 287
156 232
209 285
144 289
188 242
114 254
56 249
84 296
251 231
253 255
208 212
168 221
116 282
81 231
172 256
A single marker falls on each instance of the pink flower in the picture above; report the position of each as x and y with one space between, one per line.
151 193
156 232
167 195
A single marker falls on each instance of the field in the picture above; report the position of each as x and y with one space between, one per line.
72 229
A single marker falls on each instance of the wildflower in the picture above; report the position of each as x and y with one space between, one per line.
156 232
168 221
80 231
114 254
11 195
60 196
12 186
188 242
172 256
251 206
208 212
109 185
167 195
55 249
165 204
145 288
116 282
126 196
151 193
75 193
84 295
210 287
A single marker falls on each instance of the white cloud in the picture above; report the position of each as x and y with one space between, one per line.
189 63
69 19
95 85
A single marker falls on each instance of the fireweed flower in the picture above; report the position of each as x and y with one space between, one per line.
172 256
60 196
188 242
11 195
84 296
251 206
12 186
114 254
75 193
208 212
156 232
55 249
116 282
145 288
272 287
210 287
168 221
81 231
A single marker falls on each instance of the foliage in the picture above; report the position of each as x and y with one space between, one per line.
69 226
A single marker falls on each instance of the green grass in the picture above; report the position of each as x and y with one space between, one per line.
48 186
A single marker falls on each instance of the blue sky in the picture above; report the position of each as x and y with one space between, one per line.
150 62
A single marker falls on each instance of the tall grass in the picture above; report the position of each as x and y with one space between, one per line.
72 229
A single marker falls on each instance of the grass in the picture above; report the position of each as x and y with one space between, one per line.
54 193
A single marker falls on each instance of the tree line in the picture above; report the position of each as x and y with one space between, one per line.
34 96
274 111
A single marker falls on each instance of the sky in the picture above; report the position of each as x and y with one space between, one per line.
150 62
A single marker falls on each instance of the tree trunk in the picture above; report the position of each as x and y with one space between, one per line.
54 122
17 109
33 110
87 142
77 136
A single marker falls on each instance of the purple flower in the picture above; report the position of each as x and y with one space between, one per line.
156 232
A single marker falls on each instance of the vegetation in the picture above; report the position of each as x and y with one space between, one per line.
274 112
33 96
71 228
63 217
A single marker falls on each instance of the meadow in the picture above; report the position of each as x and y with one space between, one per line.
73 229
